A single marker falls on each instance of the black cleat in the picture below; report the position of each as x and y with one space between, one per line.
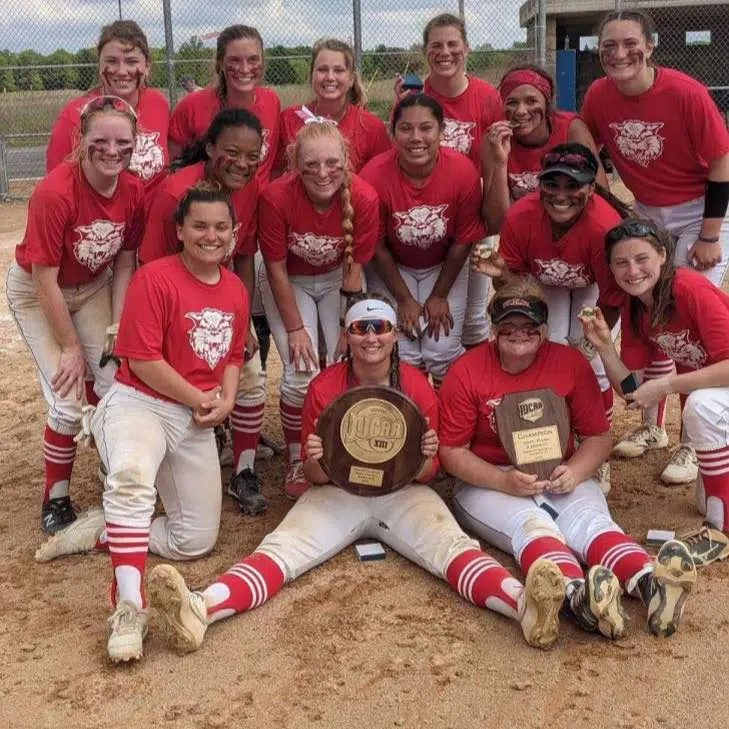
245 488
57 514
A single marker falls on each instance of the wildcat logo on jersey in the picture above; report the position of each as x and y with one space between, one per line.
681 348
316 250
148 159
458 135
211 334
422 225
639 141
98 243
522 183
559 273
265 146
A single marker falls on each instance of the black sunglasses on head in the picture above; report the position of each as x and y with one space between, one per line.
631 229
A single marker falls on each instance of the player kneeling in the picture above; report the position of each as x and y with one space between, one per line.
566 519
413 520
181 337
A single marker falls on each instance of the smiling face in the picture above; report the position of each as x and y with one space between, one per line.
624 50
417 137
321 163
563 198
123 69
235 156
446 52
372 349
331 76
518 337
206 233
636 266
243 65
108 143
527 107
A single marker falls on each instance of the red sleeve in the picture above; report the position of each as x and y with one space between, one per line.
160 233
469 226
588 116
62 142
708 307
611 294
586 419
134 231
494 109
143 321
370 173
635 353
458 408
510 248
381 141
284 137
273 228
180 131
49 215
706 129
314 405
238 345
366 224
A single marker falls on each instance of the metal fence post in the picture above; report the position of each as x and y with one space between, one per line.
4 177
170 48
542 33
462 9
357 20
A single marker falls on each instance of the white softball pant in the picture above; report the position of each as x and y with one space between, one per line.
426 353
684 223
152 446
90 308
251 383
259 269
413 521
511 523
564 325
476 327
317 298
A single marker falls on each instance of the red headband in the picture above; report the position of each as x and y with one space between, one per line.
525 76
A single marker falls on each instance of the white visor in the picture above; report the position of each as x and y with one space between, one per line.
370 309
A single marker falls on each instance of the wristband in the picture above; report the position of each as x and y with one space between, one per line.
716 200
298 329
709 238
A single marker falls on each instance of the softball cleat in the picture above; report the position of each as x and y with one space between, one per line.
595 605
183 612
706 545
682 467
541 601
57 514
646 437
129 625
78 537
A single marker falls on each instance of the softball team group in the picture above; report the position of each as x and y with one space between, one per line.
156 241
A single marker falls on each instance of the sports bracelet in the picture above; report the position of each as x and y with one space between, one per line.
709 239
298 329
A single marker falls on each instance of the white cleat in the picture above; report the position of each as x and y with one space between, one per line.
682 467
129 626
646 437
183 612
79 537
542 599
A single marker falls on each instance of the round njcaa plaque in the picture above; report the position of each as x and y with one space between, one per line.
372 440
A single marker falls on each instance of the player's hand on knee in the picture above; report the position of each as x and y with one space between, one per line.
438 314
409 313
562 480
71 372
213 412
301 351
314 447
517 483
596 329
650 393
703 256
429 443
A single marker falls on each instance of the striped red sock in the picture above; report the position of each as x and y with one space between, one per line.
291 423
480 579
246 422
714 468
656 370
555 551
128 547
59 452
251 582
618 553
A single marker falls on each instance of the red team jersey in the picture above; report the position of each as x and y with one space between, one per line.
468 116
661 141
312 243
150 158
331 383
525 163
476 384
197 328
421 223
574 261
160 234
194 114
71 226
696 334
366 134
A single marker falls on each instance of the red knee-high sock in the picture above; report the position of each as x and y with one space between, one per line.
245 422
291 422
128 547
59 452
607 402
714 468
553 550
251 582
618 553
480 579
654 371
91 397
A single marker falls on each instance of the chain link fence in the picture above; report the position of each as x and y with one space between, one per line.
51 56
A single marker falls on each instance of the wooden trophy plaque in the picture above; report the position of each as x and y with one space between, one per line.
372 440
534 429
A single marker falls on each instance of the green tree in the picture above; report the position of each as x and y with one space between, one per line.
60 78
7 79
196 60
28 79
87 71
279 69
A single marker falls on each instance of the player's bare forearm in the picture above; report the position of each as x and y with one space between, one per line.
496 199
427 470
314 473
283 294
591 452
123 271
352 281
387 270
462 463
231 377
246 270
615 370
455 260
53 305
164 379
715 375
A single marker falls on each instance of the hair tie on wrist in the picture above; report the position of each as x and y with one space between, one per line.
298 329
709 238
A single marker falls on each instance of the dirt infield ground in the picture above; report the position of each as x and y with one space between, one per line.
351 644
